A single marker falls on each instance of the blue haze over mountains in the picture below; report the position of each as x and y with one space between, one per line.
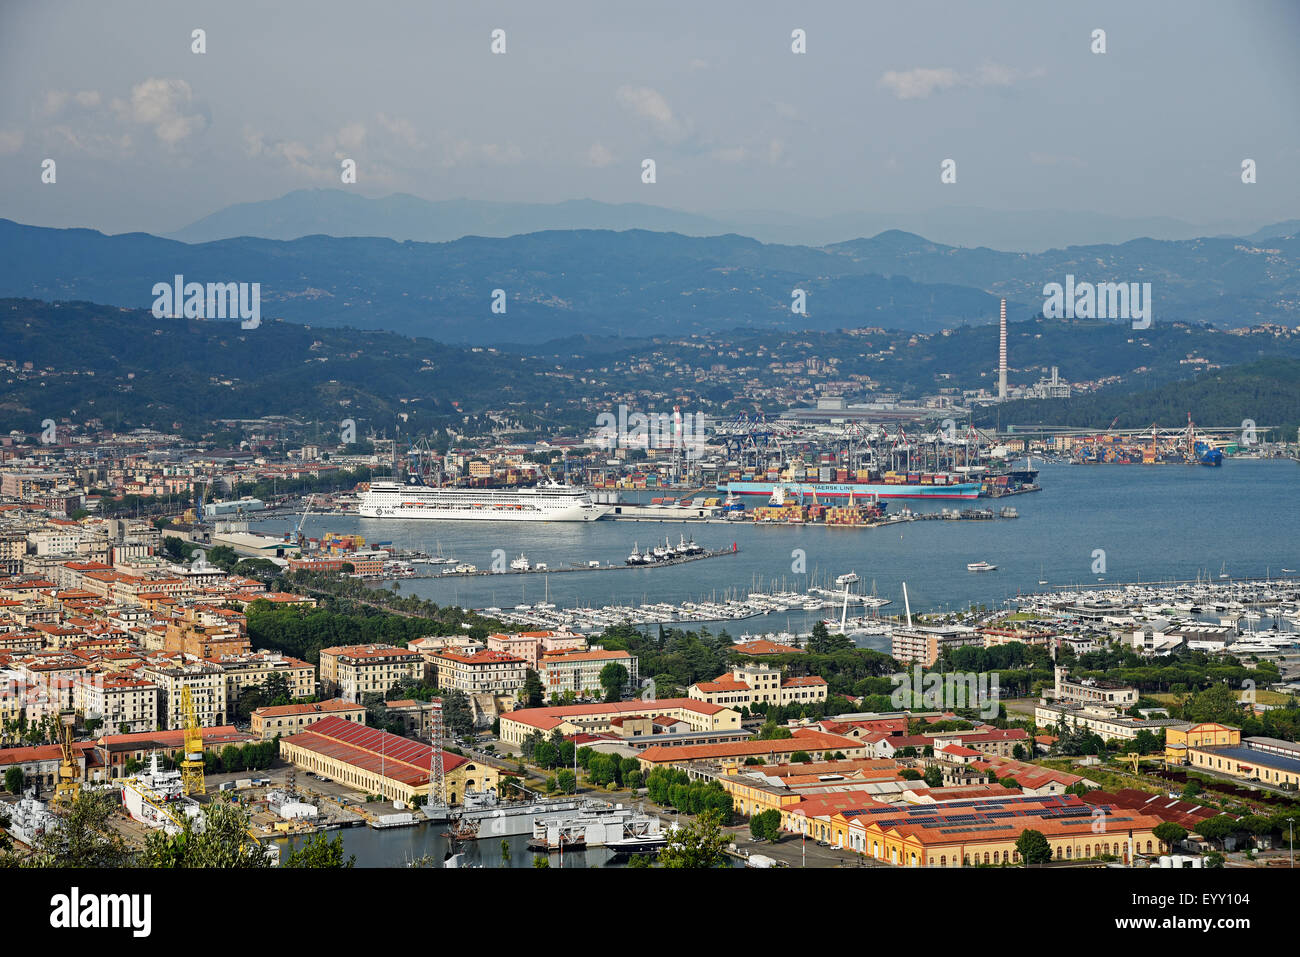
612 280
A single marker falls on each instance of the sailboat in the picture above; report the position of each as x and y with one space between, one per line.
545 604
1041 579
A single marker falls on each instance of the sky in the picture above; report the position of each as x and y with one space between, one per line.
148 135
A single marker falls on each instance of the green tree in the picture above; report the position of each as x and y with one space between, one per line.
567 781
320 852
933 776
699 844
223 842
801 757
232 758
223 556
456 714
84 836
1217 703
771 731
766 825
1169 833
15 780
1216 828
1033 847
613 678
532 693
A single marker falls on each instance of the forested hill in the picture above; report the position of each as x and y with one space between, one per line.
1266 392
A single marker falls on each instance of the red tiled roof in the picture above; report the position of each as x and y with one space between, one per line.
549 716
370 749
317 707
762 646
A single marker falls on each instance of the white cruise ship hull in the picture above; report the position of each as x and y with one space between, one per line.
458 505
576 513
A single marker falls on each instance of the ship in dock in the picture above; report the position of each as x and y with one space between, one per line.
863 491
549 502
155 798
618 828
484 815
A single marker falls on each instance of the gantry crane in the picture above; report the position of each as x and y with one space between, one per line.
192 764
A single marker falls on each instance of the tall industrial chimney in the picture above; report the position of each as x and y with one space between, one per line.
1002 353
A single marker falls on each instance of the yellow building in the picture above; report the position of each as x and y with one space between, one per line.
1208 734
376 762
963 835
289 719
753 683
356 670
598 718
758 788
1258 759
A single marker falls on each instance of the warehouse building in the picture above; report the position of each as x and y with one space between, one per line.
376 762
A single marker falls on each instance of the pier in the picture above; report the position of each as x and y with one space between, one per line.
547 570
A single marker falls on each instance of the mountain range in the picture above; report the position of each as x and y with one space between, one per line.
401 216
560 283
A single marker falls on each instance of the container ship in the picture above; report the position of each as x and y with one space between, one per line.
552 502
911 485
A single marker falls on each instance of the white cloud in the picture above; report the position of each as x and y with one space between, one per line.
402 129
466 153
921 82
650 104
11 141
599 155
56 101
352 136
163 105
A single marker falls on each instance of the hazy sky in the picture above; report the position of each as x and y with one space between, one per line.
148 135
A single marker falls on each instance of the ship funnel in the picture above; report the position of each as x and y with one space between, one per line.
907 606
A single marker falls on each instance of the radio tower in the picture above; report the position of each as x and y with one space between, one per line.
1002 353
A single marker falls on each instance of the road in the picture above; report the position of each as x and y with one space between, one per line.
795 852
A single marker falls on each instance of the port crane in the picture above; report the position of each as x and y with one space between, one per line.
746 437
192 764
297 533
69 783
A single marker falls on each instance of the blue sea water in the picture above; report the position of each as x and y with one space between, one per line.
1150 523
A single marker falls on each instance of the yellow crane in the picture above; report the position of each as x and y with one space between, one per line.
192 762
69 783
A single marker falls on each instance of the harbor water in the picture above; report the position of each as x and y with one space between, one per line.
1089 523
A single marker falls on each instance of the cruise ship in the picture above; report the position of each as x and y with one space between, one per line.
552 502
